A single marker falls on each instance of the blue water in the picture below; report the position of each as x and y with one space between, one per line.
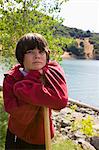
2 71
82 78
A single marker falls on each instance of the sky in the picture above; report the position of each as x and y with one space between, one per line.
81 14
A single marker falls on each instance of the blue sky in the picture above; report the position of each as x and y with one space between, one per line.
81 14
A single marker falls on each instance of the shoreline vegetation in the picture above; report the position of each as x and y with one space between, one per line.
77 123
69 55
80 123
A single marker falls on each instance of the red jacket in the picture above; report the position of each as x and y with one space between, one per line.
25 96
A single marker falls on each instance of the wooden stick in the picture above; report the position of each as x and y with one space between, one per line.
47 129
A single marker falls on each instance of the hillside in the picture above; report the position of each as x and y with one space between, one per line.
86 43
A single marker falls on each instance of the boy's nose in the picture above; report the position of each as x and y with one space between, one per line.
37 54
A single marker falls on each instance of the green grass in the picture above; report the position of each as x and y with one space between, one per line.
65 145
58 143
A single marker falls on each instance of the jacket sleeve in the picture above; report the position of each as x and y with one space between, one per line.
10 100
23 113
33 91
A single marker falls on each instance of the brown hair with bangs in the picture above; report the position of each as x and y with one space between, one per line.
31 41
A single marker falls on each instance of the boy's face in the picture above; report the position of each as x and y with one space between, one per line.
34 59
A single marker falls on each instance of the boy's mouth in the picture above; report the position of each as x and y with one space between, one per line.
36 62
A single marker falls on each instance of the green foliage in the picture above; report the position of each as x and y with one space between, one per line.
95 41
19 17
3 124
87 126
75 125
73 107
65 145
84 125
95 38
77 33
73 47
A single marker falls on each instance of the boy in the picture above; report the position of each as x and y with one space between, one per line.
33 83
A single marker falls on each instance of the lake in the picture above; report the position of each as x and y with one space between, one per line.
82 78
2 70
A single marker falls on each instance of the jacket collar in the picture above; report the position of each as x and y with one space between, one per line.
15 72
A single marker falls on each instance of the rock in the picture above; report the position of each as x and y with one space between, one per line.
85 145
67 117
78 134
64 132
65 123
96 127
77 115
65 111
95 142
84 110
91 112
68 128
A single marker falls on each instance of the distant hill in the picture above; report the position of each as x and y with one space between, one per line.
89 42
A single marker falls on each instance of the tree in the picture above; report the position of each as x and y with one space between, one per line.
22 16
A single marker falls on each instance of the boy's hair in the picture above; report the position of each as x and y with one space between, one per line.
31 41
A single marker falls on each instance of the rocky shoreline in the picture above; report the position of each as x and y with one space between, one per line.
70 122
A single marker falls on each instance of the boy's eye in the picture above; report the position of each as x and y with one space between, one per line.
42 52
29 52
33 52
